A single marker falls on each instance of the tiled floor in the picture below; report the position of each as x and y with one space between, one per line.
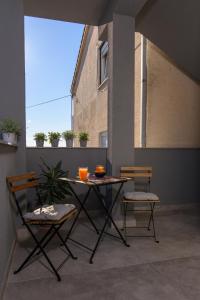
169 270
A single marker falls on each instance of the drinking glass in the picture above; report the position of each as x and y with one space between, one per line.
83 173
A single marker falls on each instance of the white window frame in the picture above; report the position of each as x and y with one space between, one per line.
103 62
103 139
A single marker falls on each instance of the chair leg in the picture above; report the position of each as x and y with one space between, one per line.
56 229
154 230
65 245
150 218
124 222
38 243
47 241
47 258
33 251
25 261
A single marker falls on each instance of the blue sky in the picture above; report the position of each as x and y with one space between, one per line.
51 49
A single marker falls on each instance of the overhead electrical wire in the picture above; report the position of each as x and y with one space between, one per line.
48 101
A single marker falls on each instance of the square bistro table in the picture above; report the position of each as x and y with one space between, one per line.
94 183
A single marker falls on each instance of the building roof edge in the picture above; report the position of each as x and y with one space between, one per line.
80 54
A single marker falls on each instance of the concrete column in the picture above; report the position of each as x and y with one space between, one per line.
121 94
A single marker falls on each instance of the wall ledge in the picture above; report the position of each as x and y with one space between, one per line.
4 144
167 148
67 148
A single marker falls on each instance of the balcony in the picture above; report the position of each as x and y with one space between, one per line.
145 270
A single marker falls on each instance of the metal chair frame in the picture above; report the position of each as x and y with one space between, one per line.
55 226
138 174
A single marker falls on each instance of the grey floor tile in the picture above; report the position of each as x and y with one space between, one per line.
183 274
146 270
136 282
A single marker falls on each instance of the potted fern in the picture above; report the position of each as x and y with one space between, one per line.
40 138
54 138
10 130
69 136
83 139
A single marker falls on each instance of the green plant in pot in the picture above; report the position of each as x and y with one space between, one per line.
51 189
54 138
10 130
83 138
69 136
40 138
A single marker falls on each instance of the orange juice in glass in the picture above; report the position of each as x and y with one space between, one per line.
83 173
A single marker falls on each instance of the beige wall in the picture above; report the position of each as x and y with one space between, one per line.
90 101
173 104
173 99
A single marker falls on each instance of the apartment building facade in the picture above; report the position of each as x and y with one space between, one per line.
167 100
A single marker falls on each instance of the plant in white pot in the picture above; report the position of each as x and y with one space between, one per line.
83 139
69 136
10 130
40 138
54 138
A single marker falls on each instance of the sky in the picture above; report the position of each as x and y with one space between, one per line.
51 50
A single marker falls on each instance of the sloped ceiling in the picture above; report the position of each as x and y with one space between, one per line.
174 27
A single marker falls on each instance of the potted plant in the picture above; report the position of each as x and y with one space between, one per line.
54 138
51 188
10 130
69 136
83 138
39 138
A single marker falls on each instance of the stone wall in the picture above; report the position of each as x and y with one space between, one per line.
90 100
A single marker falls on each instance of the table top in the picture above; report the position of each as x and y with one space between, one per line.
93 180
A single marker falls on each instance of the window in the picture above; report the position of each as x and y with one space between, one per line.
103 139
103 64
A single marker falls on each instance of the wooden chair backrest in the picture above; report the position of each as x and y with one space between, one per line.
27 180
136 172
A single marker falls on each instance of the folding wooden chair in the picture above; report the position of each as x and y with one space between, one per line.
54 216
141 195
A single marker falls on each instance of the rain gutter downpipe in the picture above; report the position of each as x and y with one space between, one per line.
143 91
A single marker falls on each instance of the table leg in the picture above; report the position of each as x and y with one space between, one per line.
98 241
109 217
79 211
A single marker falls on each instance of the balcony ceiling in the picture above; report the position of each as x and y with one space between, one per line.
91 12
174 27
